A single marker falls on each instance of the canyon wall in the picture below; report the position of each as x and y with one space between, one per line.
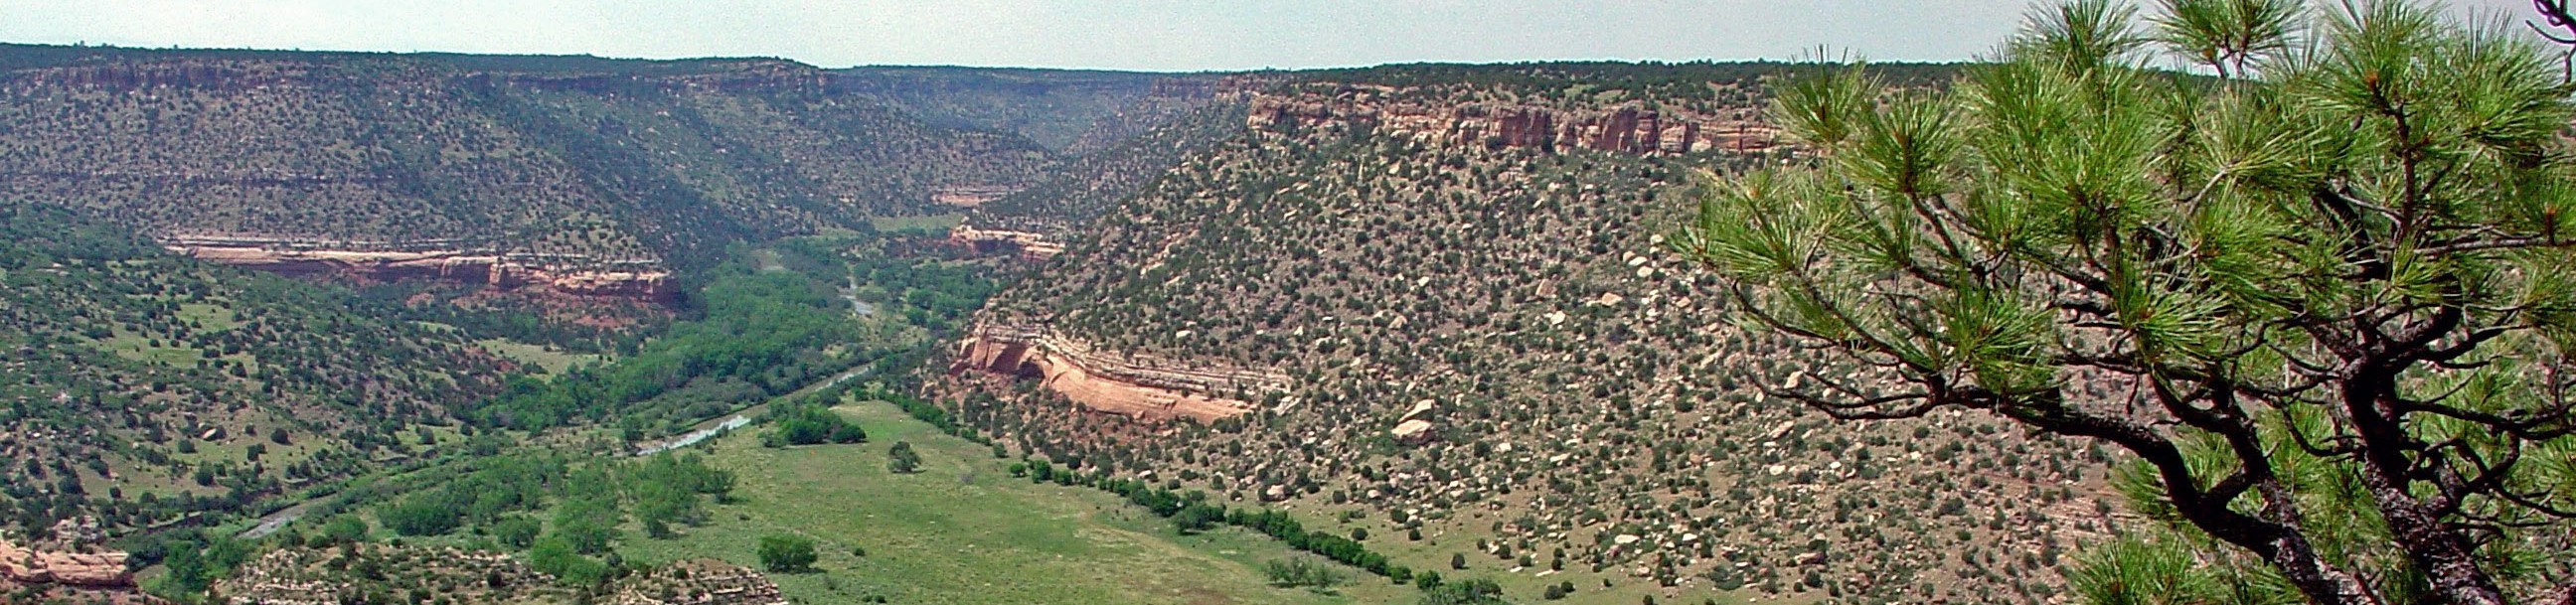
1145 388
1632 127
536 273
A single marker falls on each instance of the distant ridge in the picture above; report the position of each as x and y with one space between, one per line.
582 159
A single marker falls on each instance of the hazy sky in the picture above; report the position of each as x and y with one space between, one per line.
1126 34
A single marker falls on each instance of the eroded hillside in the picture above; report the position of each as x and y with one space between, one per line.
1094 183
1488 353
577 175
141 389
373 573
1075 112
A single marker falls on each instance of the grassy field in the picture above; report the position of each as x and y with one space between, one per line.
965 532
209 316
933 222
552 360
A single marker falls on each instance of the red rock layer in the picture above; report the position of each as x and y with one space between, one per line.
498 271
1144 388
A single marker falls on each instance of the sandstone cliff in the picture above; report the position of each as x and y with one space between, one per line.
602 158
557 274
1145 388
86 570
1029 244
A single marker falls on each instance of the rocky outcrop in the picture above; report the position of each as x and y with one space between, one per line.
1414 428
61 571
324 576
724 75
1029 244
699 582
1632 127
211 74
969 196
27 566
1145 388
372 572
558 274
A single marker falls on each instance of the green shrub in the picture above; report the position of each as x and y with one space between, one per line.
787 554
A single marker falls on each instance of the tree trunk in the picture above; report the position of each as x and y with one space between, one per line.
2322 584
2436 548
2445 557
2290 553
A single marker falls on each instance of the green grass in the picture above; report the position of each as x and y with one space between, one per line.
964 531
549 359
139 348
209 316
934 222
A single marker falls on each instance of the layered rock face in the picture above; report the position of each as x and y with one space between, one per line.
1145 388
555 274
1029 245
597 160
85 570
1634 127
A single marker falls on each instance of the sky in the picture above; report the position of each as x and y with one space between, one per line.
1159 35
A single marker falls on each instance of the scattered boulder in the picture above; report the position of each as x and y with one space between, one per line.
1412 432
699 582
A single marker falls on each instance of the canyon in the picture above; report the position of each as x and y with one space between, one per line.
1152 388
1467 275
556 173
1141 387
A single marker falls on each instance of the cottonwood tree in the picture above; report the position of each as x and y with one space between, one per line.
2323 293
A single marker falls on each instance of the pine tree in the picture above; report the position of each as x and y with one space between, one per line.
2322 298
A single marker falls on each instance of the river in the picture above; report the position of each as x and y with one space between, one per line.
709 429
272 522
693 437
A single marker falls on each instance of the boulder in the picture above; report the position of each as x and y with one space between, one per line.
1415 431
